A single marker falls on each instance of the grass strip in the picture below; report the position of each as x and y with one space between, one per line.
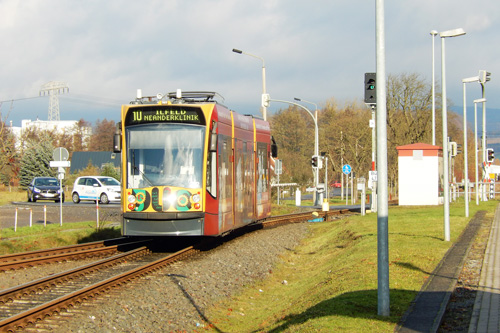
329 282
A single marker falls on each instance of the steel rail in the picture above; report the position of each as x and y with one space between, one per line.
10 294
59 250
55 306
34 258
38 313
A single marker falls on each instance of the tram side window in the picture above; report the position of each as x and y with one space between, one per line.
212 174
225 169
262 168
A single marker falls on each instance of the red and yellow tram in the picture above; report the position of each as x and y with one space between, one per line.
192 167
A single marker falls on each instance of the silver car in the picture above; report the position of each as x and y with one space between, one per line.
102 188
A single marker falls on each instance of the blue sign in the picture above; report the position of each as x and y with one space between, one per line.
346 169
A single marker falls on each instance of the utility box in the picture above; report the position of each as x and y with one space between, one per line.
420 174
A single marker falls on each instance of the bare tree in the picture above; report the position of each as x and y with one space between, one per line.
102 136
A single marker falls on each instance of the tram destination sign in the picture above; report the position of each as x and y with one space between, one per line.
165 114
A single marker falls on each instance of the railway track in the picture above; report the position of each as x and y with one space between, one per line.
79 251
29 304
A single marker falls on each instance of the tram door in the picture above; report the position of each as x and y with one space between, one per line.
225 183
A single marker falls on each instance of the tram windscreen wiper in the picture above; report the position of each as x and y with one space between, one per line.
143 175
135 168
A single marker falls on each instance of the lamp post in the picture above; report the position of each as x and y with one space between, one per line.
316 144
263 108
433 34
466 166
481 100
484 77
446 187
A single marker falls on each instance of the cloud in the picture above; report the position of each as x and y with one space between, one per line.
318 50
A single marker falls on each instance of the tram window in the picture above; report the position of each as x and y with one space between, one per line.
212 174
165 155
262 168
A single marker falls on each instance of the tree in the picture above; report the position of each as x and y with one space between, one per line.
81 136
293 131
102 136
35 161
9 160
408 109
346 137
409 118
109 170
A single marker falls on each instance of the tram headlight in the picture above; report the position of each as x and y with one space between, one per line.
131 198
196 198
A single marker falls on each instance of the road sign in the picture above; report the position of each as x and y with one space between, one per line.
277 164
60 154
346 169
60 164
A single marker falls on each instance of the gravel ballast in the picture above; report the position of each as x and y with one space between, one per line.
175 298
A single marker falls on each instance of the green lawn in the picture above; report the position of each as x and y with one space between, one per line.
331 278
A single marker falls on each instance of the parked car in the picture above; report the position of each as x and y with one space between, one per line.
102 188
336 184
45 188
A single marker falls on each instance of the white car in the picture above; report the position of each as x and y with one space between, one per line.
102 188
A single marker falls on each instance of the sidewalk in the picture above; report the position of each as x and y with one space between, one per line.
487 305
428 308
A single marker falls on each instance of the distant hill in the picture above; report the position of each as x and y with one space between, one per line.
492 122
492 119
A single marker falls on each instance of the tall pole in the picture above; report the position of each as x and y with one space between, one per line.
446 185
382 184
475 152
446 180
263 107
466 167
433 34
484 127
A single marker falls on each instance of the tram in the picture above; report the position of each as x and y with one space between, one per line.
191 166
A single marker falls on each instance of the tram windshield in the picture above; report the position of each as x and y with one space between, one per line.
165 155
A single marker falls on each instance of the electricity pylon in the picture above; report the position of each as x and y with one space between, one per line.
53 89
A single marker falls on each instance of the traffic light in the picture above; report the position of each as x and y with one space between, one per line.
265 100
314 161
371 88
491 155
452 148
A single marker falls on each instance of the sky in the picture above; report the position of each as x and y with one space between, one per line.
315 50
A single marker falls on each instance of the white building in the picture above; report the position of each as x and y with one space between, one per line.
420 174
59 126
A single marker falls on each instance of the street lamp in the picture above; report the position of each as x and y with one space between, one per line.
446 194
466 166
263 107
484 77
316 142
481 100
433 34
316 149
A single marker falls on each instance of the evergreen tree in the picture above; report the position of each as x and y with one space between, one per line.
35 161
109 170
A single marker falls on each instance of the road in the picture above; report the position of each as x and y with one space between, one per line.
48 212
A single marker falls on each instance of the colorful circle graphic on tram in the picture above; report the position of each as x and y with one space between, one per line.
183 200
